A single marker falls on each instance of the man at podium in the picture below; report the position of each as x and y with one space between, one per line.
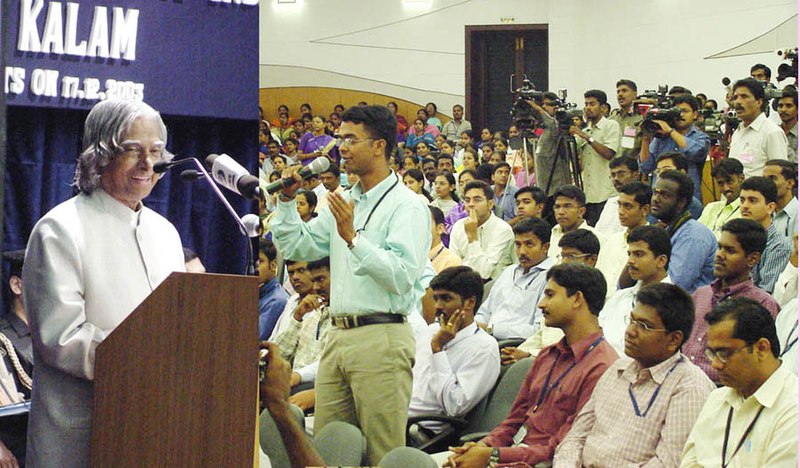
90 261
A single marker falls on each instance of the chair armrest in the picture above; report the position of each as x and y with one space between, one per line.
472 437
510 342
457 423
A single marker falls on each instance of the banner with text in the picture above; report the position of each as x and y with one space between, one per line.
183 57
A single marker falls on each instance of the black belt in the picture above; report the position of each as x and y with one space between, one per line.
354 321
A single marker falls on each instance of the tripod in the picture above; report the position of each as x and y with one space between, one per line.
566 148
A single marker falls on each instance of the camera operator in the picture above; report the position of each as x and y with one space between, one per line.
679 135
628 119
787 110
596 147
548 162
756 140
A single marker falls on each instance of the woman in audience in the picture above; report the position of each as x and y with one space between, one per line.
445 187
415 181
305 109
468 161
278 163
501 145
448 147
439 141
431 109
315 143
306 203
409 162
465 177
486 150
290 150
486 136
402 123
419 135
423 115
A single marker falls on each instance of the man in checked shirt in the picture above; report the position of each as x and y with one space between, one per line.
645 405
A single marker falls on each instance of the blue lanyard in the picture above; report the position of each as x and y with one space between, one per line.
655 394
547 388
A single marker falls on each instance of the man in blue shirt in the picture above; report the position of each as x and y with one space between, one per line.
271 295
693 245
378 236
681 136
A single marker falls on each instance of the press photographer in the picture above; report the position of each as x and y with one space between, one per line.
676 132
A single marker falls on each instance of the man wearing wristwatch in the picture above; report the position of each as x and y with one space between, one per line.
597 145
378 236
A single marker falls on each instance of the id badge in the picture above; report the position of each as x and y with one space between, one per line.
747 157
521 433
628 137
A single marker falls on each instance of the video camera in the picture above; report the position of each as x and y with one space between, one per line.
565 111
523 115
714 119
656 105
787 70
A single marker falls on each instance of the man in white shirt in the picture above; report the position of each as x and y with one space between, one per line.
331 183
752 420
509 311
729 175
452 129
596 147
300 280
757 139
569 208
784 174
457 363
483 241
787 111
623 170
649 248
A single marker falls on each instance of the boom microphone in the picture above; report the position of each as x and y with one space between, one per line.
233 176
321 164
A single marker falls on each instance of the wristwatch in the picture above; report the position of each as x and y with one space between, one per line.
353 242
494 458
590 140
490 329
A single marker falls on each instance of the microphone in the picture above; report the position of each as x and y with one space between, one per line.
321 164
252 224
163 166
233 176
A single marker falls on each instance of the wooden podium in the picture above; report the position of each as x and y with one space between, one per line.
175 383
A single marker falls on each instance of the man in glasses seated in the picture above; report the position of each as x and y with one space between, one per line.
645 405
752 420
740 247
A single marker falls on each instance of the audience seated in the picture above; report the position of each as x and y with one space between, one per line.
740 248
304 339
693 244
272 297
503 191
648 257
784 174
674 161
300 282
456 363
729 175
560 380
508 312
786 286
623 170
483 241
530 203
752 420
569 208
440 256
644 406
758 197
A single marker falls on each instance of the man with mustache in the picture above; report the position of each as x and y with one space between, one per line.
457 363
649 250
628 119
757 139
729 175
508 312
787 111
645 405
624 169
740 247
784 175
682 137
752 420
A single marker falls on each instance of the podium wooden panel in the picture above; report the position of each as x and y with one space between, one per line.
175 383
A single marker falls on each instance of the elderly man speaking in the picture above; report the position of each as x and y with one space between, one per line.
90 261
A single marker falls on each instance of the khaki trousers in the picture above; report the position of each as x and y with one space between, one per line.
364 379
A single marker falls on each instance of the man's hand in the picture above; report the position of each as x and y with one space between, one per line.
447 330
342 211
309 303
469 456
292 172
7 459
511 355
664 127
471 226
305 400
513 221
295 379
277 379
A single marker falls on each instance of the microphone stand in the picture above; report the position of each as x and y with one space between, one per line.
250 269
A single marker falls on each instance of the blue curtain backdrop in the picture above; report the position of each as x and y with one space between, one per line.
43 145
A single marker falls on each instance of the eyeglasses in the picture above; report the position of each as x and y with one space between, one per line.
724 355
349 141
572 257
641 326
